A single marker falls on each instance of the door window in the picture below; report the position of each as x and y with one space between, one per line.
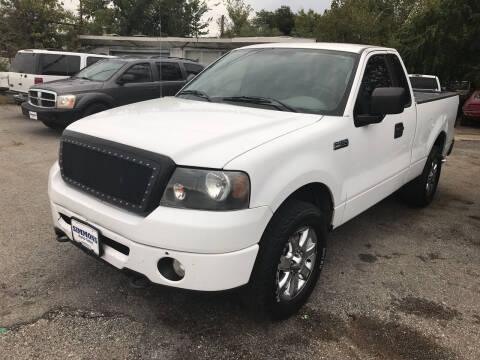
193 69
58 64
169 71
376 75
399 78
141 73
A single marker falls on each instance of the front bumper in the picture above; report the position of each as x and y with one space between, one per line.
51 115
217 249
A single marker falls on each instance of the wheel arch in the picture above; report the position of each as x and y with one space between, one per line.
441 140
96 98
316 193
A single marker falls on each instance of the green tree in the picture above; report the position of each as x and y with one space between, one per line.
196 10
306 23
146 17
238 12
284 20
444 40
34 24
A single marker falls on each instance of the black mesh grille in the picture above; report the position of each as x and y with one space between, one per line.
127 177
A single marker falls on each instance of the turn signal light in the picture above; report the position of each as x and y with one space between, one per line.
38 80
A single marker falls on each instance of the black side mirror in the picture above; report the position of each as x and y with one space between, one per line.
383 101
389 100
126 78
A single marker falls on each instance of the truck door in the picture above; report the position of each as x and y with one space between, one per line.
380 152
139 87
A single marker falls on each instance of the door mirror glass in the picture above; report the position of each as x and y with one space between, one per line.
190 77
387 100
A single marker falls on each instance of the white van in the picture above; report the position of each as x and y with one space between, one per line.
30 67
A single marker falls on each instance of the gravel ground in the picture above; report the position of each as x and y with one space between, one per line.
398 283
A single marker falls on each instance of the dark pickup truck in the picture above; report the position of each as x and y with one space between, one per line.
107 84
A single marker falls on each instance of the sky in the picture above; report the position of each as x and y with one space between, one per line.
217 8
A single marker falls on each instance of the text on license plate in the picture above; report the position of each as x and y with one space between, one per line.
86 236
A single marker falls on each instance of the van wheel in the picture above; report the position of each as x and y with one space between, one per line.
289 261
420 191
94 108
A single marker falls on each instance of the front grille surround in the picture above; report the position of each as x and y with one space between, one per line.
42 98
127 177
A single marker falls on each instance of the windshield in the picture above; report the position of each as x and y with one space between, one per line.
304 80
24 62
423 83
101 70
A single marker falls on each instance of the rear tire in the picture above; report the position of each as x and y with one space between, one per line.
94 108
420 191
287 269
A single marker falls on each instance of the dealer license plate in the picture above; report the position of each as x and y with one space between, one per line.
86 236
33 115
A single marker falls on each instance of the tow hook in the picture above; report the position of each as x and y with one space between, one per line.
60 236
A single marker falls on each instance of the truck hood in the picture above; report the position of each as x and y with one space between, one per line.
70 86
190 132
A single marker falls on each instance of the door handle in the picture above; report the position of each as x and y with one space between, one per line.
398 130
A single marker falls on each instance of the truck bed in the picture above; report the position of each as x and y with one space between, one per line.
428 96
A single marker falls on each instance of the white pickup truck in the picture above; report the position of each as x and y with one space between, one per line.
236 181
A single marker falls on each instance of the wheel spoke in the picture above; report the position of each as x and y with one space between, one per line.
310 251
284 282
304 238
293 288
305 272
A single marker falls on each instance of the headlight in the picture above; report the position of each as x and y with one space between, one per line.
65 101
207 190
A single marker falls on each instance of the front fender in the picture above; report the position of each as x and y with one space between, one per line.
85 100
280 167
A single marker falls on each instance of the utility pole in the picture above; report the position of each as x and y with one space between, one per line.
222 26
80 13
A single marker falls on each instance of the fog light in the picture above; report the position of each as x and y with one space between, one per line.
178 268
171 269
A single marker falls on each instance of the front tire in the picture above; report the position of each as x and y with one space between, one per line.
291 256
420 191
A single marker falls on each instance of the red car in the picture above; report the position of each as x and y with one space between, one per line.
471 108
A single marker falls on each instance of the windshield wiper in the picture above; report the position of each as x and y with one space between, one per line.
261 101
197 93
81 77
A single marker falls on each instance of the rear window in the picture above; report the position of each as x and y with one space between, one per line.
169 71
58 64
24 63
424 83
